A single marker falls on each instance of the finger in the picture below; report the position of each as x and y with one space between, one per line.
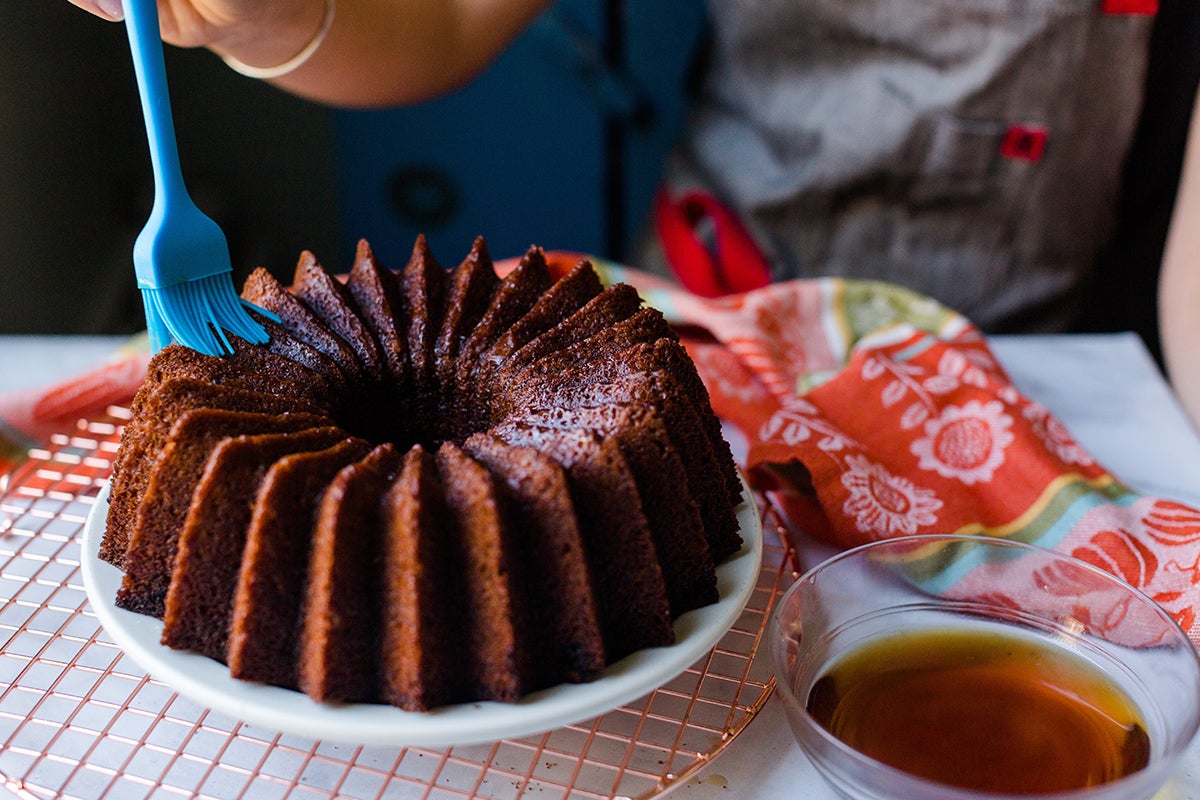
108 9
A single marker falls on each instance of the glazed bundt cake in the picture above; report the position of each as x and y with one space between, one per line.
431 486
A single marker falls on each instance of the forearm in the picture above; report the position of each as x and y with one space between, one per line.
1179 283
389 52
377 52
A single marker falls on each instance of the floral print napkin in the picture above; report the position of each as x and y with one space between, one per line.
869 412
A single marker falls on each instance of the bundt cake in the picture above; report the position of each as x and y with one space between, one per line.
431 486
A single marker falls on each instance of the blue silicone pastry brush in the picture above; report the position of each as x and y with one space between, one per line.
181 256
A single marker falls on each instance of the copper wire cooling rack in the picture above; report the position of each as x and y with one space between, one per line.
79 719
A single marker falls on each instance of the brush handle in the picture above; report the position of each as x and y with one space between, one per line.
145 43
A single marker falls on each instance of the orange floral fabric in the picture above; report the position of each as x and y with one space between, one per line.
871 412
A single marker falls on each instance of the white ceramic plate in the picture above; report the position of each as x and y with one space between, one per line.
208 682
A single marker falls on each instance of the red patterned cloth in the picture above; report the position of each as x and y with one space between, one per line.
871 412
30 417
868 412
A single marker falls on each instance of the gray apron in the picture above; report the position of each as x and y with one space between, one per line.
968 149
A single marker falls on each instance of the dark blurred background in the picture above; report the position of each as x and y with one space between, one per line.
559 144
1124 292
75 185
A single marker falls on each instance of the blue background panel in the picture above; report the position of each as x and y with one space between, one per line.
516 156
559 143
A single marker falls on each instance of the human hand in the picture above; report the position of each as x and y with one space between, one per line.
252 31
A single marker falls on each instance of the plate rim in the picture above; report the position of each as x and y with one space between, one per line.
207 682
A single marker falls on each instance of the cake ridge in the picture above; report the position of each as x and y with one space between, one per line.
264 290
283 343
330 301
495 612
564 297
513 298
564 597
422 634
678 530
613 304
423 290
264 627
472 284
339 637
619 546
376 297
200 596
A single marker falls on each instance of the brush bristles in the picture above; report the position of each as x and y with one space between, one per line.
197 314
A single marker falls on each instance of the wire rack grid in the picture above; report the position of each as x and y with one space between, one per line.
79 719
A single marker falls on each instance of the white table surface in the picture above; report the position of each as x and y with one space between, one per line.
1104 388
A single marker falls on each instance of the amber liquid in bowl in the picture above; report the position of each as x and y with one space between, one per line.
982 710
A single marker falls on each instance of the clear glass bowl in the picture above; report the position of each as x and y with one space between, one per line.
922 583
